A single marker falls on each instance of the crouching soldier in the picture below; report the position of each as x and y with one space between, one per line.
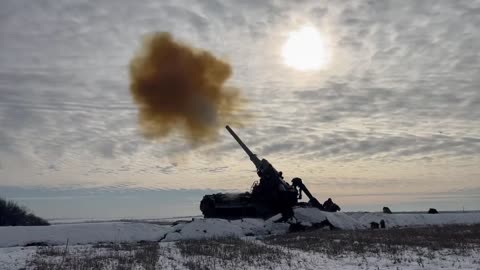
330 206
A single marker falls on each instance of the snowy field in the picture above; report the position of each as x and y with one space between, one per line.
264 244
320 249
91 233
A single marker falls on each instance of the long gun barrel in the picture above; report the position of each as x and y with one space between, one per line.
252 156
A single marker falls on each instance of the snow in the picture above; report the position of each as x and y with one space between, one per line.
170 257
407 219
84 233
13 255
338 220
206 228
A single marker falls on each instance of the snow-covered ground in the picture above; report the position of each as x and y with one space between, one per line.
170 257
14 254
85 233
408 220
408 259
82 233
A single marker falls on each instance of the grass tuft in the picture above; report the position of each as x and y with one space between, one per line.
142 255
394 243
228 252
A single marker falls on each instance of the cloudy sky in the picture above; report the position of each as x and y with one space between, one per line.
393 118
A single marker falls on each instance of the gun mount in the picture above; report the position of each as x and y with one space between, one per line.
269 196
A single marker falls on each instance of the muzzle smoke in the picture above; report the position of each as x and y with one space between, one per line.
180 88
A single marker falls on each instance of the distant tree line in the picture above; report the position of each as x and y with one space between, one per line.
11 214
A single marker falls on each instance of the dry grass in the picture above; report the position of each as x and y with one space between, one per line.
407 245
459 239
109 255
228 252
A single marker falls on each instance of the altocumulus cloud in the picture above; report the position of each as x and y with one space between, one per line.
402 86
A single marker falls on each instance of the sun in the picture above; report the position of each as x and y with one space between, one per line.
305 50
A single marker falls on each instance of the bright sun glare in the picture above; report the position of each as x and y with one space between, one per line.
305 50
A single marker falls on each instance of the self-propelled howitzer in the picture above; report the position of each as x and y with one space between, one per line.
269 196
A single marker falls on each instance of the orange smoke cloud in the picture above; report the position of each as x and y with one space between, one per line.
180 88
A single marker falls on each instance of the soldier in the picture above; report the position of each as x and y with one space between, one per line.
382 224
330 206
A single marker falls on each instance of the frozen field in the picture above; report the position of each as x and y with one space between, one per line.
411 241
448 247
91 233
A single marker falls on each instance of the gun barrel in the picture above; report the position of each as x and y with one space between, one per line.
252 156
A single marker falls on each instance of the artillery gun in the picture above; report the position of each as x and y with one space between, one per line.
269 196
